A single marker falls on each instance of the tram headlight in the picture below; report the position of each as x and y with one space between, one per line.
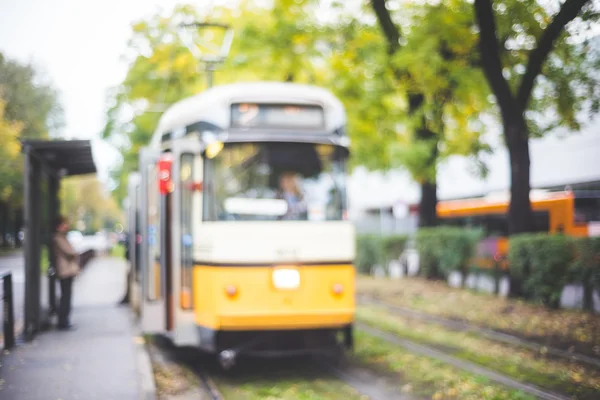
284 278
213 149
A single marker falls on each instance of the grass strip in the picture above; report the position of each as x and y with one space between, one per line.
520 364
284 385
564 329
428 377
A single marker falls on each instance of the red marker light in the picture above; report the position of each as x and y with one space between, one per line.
194 186
231 290
338 288
165 185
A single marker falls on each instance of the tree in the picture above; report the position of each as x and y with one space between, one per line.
523 46
9 152
85 202
29 99
30 104
432 65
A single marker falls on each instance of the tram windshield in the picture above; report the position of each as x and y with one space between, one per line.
275 181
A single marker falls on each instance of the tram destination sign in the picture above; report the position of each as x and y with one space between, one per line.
286 116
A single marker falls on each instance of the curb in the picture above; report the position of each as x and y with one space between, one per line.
146 383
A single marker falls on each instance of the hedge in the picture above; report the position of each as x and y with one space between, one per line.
585 269
374 250
542 262
443 250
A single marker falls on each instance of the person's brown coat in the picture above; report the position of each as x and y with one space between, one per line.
67 259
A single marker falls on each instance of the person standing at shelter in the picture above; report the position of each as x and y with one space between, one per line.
67 267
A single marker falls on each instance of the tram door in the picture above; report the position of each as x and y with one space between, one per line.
153 316
186 206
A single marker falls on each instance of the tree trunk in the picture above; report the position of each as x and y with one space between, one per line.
427 207
520 216
588 295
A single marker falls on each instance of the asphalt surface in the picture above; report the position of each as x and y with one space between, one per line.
99 360
15 264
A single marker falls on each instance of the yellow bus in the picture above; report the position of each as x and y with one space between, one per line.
573 213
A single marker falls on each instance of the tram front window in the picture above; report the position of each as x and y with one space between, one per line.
275 181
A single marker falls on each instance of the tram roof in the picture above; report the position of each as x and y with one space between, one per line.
212 107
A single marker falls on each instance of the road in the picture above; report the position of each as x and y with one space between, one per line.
15 263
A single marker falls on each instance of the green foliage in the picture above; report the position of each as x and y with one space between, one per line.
543 261
286 41
429 61
83 199
585 269
29 100
374 250
393 247
443 250
29 109
568 90
520 250
369 252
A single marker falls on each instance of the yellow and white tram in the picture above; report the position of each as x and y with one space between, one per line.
245 245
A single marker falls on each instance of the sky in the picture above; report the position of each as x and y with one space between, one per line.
77 45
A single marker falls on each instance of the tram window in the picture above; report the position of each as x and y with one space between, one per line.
187 176
275 181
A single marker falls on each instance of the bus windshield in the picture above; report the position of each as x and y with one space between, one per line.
275 181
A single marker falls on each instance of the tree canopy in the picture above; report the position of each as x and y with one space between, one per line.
410 74
543 72
29 109
348 55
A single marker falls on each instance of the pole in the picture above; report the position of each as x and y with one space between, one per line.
210 69
9 316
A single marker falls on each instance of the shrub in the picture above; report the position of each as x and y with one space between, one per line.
542 262
446 249
368 252
375 249
585 269
519 254
392 247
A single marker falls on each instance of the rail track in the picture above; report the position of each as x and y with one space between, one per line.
473 368
333 365
463 326
163 353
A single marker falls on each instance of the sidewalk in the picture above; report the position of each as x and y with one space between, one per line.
100 360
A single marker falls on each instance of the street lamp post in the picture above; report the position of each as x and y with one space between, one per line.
211 55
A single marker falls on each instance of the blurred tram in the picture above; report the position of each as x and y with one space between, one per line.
241 204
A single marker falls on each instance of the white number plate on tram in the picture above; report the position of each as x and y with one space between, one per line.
286 278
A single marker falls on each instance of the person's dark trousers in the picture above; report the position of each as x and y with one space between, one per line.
64 308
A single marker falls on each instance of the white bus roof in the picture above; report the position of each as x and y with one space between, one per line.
213 105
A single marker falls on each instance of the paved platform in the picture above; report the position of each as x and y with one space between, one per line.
103 359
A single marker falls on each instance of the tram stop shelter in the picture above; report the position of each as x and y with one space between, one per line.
46 162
